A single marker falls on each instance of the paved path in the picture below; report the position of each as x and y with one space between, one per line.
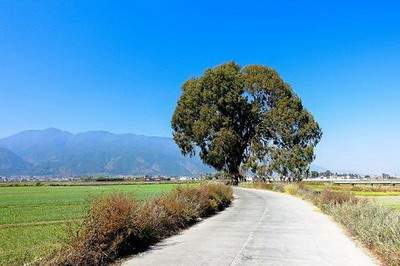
260 228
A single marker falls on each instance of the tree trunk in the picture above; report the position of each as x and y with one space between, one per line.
235 180
235 175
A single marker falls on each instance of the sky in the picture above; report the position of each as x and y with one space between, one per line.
119 66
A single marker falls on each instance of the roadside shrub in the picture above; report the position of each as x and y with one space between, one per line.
117 225
278 187
291 189
376 226
301 185
102 232
308 194
258 185
274 186
264 185
334 197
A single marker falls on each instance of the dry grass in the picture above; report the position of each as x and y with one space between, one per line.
275 186
375 226
117 225
328 197
291 189
376 188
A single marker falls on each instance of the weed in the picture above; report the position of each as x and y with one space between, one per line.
291 189
328 196
376 226
117 225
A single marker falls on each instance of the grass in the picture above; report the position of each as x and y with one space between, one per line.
117 225
392 202
388 196
377 227
35 220
362 190
370 221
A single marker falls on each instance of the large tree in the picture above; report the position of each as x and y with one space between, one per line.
245 117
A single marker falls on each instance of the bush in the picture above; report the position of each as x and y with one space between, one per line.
278 187
103 231
259 185
291 189
334 197
376 226
117 225
275 186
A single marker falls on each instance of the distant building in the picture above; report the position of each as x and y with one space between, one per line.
386 176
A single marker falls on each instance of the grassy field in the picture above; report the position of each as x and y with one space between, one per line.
36 220
388 201
388 196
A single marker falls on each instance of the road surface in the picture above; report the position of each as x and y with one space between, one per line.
260 228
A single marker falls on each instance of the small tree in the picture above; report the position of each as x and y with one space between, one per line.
234 116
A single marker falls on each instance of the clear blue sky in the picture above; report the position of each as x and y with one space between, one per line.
85 65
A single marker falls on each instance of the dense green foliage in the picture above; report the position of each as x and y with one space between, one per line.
245 117
34 220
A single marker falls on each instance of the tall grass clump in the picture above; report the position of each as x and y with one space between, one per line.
117 225
274 186
374 225
291 189
327 198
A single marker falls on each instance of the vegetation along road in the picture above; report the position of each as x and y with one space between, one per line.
260 228
36 220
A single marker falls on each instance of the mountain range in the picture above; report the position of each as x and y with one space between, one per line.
57 152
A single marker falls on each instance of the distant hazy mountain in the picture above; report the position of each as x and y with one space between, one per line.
10 163
56 152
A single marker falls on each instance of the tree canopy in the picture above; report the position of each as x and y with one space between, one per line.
245 118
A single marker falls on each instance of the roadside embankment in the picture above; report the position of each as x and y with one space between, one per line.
117 226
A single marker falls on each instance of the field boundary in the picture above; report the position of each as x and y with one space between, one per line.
39 223
90 183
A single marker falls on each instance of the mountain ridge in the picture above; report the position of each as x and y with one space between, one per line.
56 152
12 163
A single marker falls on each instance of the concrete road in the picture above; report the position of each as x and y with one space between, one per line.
260 228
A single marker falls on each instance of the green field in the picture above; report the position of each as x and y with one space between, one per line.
388 201
36 220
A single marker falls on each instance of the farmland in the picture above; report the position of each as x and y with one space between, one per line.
387 201
37 220
388 196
